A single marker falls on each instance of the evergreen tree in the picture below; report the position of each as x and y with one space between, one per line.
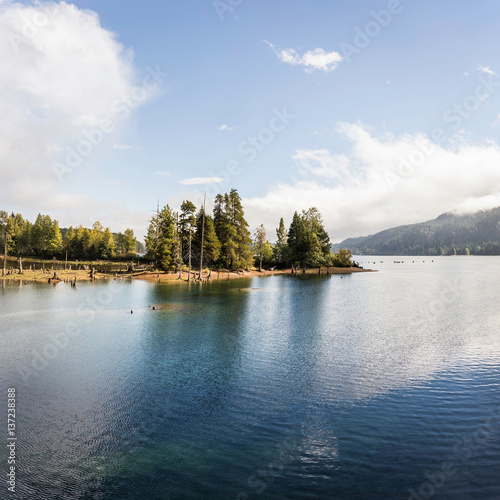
242 239
211 244
281 247
187 224
221 226
308 241
152 239
161 240
294 240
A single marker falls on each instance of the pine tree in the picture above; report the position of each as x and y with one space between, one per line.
241 239
167 241
221 225
187 222
151 239
308 241
211 244
162 239
281 247
294 239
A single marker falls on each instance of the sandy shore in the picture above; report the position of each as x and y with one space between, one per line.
223 275
67 276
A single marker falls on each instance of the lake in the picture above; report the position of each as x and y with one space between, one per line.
370 385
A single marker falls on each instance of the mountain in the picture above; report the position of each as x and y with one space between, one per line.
449 234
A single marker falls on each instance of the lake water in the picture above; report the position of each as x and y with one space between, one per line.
372 385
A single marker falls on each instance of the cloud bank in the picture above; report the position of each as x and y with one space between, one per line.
61 72
382 182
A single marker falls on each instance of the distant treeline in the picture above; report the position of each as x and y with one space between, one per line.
449 234
45 239
175 238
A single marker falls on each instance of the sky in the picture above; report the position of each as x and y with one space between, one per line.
378 113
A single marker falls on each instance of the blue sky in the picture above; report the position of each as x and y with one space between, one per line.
365 87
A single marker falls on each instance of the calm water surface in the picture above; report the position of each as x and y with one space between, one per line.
374 385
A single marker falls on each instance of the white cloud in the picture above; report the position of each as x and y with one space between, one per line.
321 163
61 73
225 127
201 180
373 188
486 69
122 146
162 172
472 205
313 59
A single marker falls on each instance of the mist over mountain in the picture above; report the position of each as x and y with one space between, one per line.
448 234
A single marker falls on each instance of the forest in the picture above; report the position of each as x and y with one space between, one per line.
449 234
187 236
44 239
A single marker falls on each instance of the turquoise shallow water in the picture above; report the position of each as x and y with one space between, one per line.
375 385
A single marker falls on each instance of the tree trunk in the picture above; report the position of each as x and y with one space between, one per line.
260 264
20 264
202 241
66 261
180 258
5 255
189 272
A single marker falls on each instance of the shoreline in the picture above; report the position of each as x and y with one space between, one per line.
161 277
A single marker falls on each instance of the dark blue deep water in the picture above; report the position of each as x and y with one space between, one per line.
373 385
